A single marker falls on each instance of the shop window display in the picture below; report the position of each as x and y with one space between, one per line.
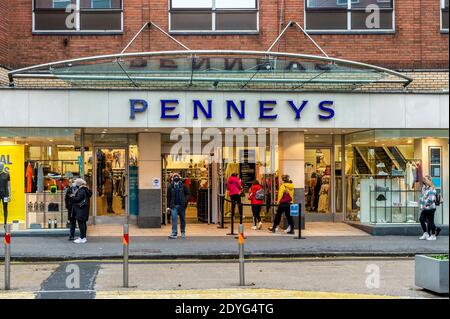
385 172
41 163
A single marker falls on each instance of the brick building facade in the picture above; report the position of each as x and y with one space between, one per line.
416 42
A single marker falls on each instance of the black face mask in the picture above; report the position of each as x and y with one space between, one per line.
176 179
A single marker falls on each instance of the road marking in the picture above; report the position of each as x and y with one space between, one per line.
234 294
64 291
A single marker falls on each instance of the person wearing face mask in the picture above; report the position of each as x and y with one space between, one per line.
68 199
81 205
177 200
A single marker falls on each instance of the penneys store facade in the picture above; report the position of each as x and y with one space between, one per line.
355 142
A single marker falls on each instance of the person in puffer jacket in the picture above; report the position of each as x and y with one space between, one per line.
255 192
234 187
284 200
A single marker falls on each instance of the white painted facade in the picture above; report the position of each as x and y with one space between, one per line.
111 109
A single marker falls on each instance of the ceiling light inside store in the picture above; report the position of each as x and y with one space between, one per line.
410 141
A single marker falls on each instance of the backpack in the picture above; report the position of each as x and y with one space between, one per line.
437 201
260 194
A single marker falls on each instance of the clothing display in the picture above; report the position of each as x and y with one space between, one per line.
323 206
5 180
40 179
29 177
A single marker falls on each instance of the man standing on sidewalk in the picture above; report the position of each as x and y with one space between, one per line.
177 200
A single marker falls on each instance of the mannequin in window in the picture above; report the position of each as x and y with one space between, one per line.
5 190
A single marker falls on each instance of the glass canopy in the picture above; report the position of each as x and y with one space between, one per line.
228 70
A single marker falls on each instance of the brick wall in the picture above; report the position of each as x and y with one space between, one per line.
4 22
416 44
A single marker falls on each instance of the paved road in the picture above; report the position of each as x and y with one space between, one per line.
269 279
46 248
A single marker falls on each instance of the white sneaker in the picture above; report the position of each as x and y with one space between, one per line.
425 236
260 225
254 227
432 237
288 230
80 241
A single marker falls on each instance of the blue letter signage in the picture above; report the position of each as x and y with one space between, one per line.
137 106
267 110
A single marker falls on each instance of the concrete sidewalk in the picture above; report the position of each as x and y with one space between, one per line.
56 248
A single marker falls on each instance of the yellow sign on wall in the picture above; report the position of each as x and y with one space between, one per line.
14 159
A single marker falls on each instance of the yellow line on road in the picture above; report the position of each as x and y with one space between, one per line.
17 295
244 293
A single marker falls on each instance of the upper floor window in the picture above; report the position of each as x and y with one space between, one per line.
73 16
444 15
349 15
220 16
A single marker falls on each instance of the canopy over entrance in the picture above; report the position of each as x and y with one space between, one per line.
211 70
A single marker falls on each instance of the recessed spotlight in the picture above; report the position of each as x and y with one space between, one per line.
410 141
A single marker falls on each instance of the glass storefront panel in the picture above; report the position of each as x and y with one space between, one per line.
50 159
385 169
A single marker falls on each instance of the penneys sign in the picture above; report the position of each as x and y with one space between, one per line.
234 109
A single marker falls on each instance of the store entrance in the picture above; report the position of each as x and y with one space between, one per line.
110 184
196 172
318 183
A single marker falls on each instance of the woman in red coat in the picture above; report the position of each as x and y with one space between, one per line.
256 197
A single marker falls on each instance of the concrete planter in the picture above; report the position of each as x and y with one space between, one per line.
432 274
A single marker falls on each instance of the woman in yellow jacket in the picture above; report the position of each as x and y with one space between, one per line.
284 200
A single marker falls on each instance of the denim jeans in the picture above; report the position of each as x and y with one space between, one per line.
178 211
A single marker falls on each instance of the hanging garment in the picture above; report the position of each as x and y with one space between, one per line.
409 176
323 199
317 192
419 174
40 179
29 176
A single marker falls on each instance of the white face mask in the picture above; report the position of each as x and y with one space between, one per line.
74 185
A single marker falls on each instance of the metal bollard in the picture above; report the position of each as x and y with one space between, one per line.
126 241
299 223
7 256
232 222
241 240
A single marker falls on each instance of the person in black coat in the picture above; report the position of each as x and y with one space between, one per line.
68 199
177 200
81 204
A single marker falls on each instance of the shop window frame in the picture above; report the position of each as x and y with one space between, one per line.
443 9
440 165
79 11
213 10
349 10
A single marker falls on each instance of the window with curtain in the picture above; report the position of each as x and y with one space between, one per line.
226 16
349 15
72 16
